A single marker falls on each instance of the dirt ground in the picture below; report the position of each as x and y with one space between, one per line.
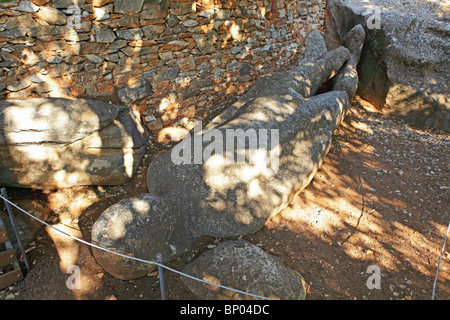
380 199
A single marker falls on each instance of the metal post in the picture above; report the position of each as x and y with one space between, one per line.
11 217
161 277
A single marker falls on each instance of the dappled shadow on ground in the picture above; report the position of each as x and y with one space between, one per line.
380 198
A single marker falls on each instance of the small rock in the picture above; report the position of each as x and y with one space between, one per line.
27 6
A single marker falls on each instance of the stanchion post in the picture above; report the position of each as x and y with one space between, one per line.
16 232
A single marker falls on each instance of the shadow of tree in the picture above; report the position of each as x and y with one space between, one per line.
373 202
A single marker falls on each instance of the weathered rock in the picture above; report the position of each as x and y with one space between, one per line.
223 198
20 85
128 6
40 2
241 265
26 226
303 81
54 143
155 227
347 78
214 192
116 45
187 63
62 4
130 34
315 47
52 16
404 65
155 9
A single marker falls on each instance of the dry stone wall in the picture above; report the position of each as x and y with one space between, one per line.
171 60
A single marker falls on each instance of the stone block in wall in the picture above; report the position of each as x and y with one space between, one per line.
128 21
155 9
175 45
40 2
102 13
133 93
128 6
104 35
207 4
74 142
116 45
187 63
149 43
130 34
27 6
230 4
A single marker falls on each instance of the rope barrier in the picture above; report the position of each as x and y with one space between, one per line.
130 257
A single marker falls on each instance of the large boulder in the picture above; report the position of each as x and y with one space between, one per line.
240 265
229 178
404 65
142 227
52 143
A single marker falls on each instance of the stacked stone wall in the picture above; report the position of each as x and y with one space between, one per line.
171 60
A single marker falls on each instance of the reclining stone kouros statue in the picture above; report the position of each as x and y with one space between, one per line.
207 185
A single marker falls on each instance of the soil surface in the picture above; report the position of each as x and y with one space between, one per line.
378 203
